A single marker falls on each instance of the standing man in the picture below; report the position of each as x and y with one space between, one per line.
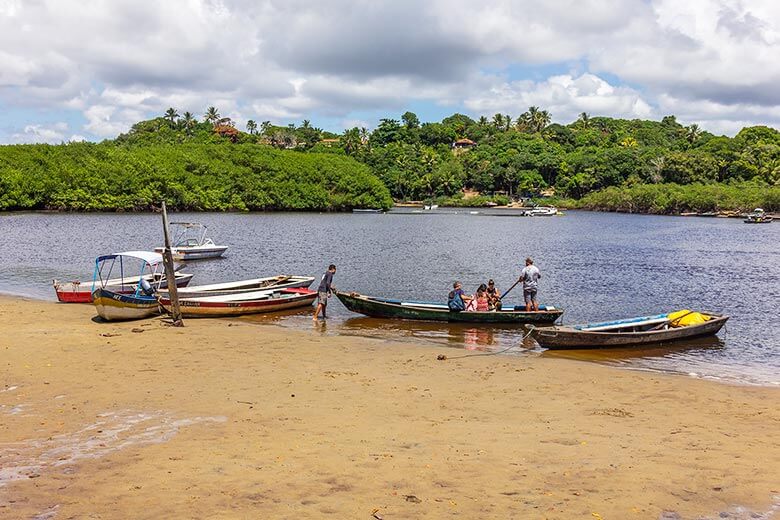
324 291
530 276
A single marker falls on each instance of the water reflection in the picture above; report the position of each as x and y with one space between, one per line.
623 354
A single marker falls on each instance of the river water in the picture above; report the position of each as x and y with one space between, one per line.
597 266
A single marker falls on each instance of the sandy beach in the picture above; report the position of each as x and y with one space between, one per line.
231 419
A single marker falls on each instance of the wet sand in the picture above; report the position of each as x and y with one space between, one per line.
231 419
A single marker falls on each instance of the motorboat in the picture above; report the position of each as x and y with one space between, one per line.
542 211
81 292
191 243
758 216
127 302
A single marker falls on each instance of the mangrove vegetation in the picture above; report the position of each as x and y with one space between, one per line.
208 163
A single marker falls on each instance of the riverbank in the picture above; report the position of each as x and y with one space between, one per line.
226 418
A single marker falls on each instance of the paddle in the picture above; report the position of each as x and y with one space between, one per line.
507 291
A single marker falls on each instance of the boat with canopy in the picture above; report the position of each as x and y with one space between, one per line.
126 301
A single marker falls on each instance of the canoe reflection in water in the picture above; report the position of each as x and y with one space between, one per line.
478 339
617 356
457 335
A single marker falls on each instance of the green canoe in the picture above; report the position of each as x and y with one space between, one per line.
430 311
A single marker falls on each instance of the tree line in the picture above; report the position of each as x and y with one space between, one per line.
593 162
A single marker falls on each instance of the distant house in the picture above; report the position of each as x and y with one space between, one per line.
463 144
329 142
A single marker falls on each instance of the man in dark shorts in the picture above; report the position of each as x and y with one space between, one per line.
324 291
530 277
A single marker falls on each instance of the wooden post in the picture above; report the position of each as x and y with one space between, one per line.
170 275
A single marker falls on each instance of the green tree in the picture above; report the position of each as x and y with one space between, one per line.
212 116
410 120
251 126
171 115
188 122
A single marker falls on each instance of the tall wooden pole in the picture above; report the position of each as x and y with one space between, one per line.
170 275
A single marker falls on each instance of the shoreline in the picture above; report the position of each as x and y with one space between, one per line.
225 417
733 214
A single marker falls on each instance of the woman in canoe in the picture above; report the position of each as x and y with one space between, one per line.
481 299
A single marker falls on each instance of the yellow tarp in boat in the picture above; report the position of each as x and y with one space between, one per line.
686 317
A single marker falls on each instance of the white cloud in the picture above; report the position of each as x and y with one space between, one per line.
563 96
38 133
120 61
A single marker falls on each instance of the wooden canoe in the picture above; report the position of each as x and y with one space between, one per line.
243 286
244 303
642 330
432 311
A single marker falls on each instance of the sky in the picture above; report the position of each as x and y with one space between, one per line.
89 69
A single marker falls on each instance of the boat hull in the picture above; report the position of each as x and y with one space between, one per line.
244 286
195 252
572 338
394 309
288 299
112 306
73 292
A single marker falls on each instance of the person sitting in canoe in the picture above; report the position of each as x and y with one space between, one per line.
494 296
457 300
481 299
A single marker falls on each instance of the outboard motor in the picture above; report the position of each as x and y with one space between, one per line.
147 288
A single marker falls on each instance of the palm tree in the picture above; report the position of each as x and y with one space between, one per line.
483 121
507 122
498 121
265 126
364 135
171 115
188 122
692 133
251 126
212 115
584 120
306 123
350 141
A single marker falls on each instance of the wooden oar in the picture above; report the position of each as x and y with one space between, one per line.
507 291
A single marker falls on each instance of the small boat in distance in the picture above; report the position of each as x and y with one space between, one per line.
429 207
190 242
367 210
642 330
758 216
245 303
542 211
126 302
433 311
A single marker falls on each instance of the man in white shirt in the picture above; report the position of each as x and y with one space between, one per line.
530 277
